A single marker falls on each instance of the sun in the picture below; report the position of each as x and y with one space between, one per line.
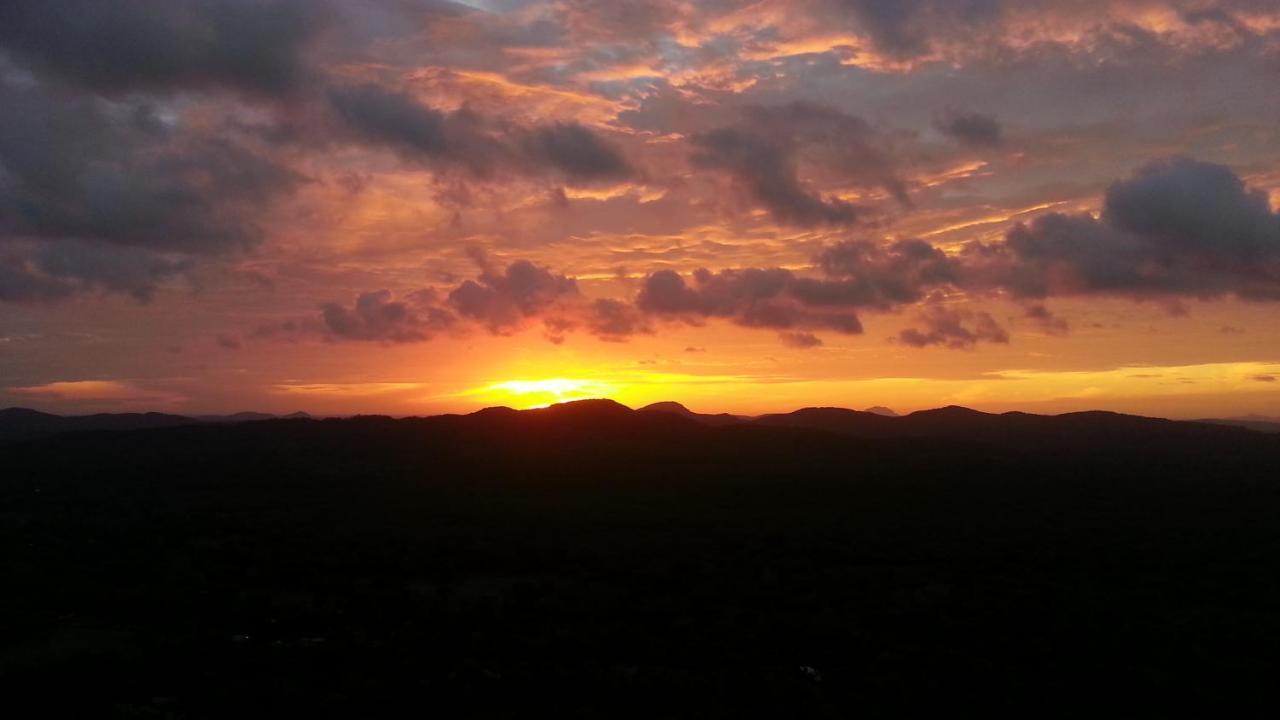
526 394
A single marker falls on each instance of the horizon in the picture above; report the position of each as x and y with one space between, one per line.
872 409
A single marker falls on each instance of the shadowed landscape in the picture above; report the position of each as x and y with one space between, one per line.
598 561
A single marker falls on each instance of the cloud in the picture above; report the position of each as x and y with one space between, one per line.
908 28
116 196
801 340
575 151
1176 228
865 274
953 328
763 153
768 174
127 45
376 316
100 392
854 275
969 128
614 320
502 299
1048 323
77 167
1198 209
56 269
469 140
752 297
395 120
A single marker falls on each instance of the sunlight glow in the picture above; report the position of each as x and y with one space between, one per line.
525 394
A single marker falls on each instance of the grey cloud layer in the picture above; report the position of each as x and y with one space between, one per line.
1176 228
466 139
124 45
105 185
763 150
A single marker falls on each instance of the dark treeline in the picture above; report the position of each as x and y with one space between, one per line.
589 560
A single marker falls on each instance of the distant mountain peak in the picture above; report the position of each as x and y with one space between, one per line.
21 412
881 410
950 411
592 405
669 406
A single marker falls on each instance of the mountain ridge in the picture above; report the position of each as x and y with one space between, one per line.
952 421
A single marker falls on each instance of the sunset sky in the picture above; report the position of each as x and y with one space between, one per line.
423 206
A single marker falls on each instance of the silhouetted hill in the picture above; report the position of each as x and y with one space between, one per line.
676 408
1013 429
22 424
236 417
1257 423
615 563
841 420
881 410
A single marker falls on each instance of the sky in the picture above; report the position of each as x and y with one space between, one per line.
420 206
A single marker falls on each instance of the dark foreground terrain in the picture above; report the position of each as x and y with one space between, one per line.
589 560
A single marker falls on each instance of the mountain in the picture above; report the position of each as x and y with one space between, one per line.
676 408
1259 423
22 424
237 417
832 419
1014 429
881 410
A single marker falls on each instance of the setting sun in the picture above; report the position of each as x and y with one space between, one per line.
527 394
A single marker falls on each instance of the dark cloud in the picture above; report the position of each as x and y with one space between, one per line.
20 283
969 128
908 28
575 151
865 274
801 340
469 140
78 167
228 342
855 275
1199 209
751 297
953 328
501 300
1046 321
764 151
379 116
614 320
109 195
1265 378
768 173
1176 228
376 316
126 45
